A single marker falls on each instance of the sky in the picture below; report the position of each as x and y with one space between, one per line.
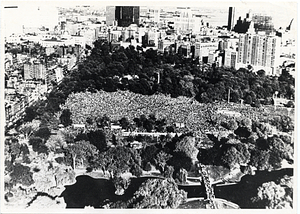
29 15
32 13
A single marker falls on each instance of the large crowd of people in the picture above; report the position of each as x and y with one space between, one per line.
116 105
196 117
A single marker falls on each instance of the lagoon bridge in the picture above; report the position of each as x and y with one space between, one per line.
210 196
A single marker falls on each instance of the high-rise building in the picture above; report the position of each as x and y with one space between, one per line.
122 16
263 23
110 15
259 51
230 24
242 26
127 15
186 21
34 70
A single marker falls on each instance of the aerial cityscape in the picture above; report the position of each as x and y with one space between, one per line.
117 106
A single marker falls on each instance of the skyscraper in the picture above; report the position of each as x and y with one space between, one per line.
127 15
123 15
230 24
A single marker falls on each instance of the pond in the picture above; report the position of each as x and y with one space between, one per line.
88 191
242 192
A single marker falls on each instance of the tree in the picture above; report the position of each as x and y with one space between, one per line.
261 73
14 149
98 139
169 170
21 174
65 117
27 129
275 161
244 153
287 181
136 170
118 160
148 167
120 184
187 146
246 123
180 160
286 77
262 129
56 143
181 175
260 159
158 193
187 86
248 99
38 145
290 104
230 156
161 159
280 148
272 196
64 175
148 153
25 153
283 123
160 125
30 114
235 96
83 151
231 124
43 132
124 123
103 121
148 124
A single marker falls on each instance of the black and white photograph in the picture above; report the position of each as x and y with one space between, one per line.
130 106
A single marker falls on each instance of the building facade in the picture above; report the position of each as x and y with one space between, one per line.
34 70
259 51
122 16
230 24
127 15
230 58
110 15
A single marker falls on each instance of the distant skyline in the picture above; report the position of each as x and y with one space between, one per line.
281 11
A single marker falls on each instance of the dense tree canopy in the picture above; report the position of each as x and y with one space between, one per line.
118 160
138 71
21 174
157 194
187 145
83 151
38 145
273 196
29 128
